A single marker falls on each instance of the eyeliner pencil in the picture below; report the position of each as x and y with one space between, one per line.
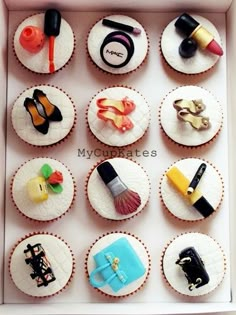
121 26
196 178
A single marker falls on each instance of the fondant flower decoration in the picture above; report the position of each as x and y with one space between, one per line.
54 179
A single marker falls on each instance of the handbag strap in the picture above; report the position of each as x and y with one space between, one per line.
99 284
112 262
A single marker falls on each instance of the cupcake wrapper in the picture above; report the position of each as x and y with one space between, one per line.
147 275
167 282
42 221
63 139
40 73
73 262
94 211
112 146
165 62
187 147
110 73
191 221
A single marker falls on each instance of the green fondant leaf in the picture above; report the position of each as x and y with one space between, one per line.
46 171
56 188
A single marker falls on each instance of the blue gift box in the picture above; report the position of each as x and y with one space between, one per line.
117 265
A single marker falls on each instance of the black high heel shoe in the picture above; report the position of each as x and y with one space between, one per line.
52 111
39 122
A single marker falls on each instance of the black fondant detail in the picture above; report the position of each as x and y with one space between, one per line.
52 22
193 268
107 172
197 177
56 114
117 25
186 24
204 207
188 48
42 271
113 37
43 128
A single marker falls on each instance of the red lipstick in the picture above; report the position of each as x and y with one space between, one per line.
191 28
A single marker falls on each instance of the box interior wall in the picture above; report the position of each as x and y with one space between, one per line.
229 7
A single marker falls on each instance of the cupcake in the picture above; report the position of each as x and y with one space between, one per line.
190 44
41 265
193 264
39 42
43 115
190 116
117 44
192 189
118 189
43 189
118 116
117 264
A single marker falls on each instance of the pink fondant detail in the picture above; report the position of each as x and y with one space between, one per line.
215 48
122 38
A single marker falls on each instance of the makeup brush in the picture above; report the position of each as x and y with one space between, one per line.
52 24
126 201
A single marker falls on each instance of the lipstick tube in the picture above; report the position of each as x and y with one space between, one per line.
187 25
196 199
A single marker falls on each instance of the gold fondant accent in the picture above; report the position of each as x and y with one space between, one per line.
181 183
202 36
37 189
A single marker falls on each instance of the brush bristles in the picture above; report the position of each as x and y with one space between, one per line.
127 202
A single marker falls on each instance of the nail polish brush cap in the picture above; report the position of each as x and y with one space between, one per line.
107 172
186 24
52 22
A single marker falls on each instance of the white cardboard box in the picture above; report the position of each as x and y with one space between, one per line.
8 10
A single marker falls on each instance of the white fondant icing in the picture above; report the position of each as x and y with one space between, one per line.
200 62
63 46
139 249
115 53
211 255
105 131
59 256
210 186
55 205
98 33
182 132
101 198
57 131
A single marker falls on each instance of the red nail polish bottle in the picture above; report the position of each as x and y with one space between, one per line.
32 39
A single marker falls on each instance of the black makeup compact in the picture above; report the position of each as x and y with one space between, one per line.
117 49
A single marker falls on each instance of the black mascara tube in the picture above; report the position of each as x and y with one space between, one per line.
196 178
121 26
